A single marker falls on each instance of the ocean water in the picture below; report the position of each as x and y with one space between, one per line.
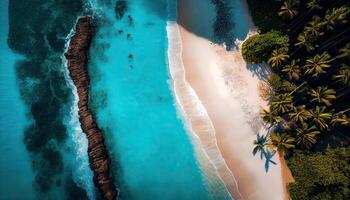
15 171
152 155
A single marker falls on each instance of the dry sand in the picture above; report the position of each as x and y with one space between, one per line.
227 92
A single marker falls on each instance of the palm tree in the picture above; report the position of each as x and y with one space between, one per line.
307 135
320 117
300 114
313 5
305 40
314 27
259 145
336 16
340 119
282 143
277 57
343 75
287 10
282 103
318 64
292 70
323 95
270 117
344 52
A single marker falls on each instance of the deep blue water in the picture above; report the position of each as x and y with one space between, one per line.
15 171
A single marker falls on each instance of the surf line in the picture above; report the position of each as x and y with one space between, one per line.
77 57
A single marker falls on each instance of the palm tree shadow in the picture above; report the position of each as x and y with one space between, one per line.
269 155
261 70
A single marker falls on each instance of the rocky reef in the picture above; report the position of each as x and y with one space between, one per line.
77 65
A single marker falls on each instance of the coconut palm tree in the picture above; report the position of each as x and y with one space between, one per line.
287 10
306 135
336 16
344 52
343 75
321 117
323 95
314 27
318 64
270 117
313 5
292 70
305 40
340 119
282 103
300 114
277 57
281 142
259 145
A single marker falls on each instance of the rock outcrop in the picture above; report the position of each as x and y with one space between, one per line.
77 65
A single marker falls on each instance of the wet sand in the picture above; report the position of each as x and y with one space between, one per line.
228 89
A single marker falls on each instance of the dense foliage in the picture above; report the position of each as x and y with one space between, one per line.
322 175
258 48
308 118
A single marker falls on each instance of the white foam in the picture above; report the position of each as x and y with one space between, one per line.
217 174
82 173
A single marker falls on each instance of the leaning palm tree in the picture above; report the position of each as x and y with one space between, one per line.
321 117
306 135
281 142
318 64
282 103
277 57
305 40
292 70
343 75
313 5
270 117
323 95
336 16
259 145
287 10
300 114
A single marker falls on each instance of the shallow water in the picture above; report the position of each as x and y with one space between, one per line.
152 155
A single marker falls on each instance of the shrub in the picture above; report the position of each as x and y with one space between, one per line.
258 48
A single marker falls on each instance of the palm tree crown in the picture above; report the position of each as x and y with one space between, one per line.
277 57
282 143
307 135
323 95
343 75
320 117
318 64
287 10
292 70
300 114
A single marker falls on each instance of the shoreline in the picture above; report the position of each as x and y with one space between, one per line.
229 93
76 57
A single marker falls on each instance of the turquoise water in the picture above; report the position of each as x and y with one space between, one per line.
15 171
150 150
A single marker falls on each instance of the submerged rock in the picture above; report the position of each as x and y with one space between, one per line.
77 65
120 8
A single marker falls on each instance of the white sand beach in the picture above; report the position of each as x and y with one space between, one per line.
226 90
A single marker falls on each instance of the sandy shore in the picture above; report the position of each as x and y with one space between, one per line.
228 90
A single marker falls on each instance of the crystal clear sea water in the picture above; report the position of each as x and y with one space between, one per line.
45 153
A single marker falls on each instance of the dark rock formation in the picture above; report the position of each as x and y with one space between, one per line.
77 65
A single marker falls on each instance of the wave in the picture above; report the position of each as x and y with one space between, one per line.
82 173
219 178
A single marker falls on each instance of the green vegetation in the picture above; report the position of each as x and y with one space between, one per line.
258 48
308 119
327 177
